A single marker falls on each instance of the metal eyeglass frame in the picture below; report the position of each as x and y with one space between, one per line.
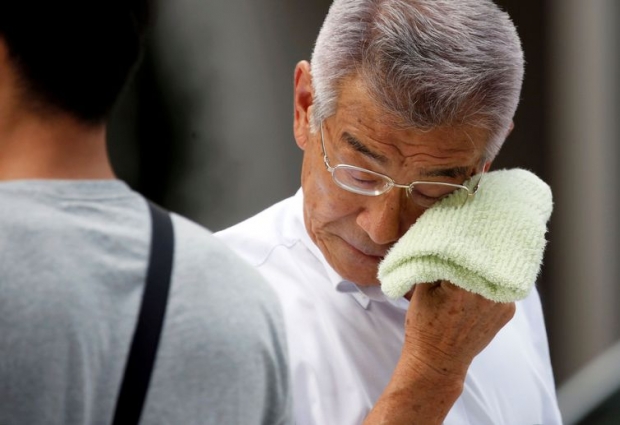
391 183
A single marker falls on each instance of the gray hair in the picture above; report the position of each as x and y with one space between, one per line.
429 63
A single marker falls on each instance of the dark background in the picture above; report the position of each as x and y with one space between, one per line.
205 129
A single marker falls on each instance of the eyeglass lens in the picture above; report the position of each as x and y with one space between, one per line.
368 183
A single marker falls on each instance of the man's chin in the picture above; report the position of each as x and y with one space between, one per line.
363 279
354 264
364 275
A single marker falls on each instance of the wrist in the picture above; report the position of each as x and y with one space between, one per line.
437 375
427 362
416 396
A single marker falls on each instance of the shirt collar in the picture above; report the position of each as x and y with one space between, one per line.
362 294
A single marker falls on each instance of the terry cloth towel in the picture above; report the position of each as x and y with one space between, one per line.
492 245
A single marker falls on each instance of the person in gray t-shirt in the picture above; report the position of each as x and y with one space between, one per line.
75 248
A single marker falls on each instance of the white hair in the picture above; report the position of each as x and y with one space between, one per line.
429 63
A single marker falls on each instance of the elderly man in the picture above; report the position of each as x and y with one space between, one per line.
398 91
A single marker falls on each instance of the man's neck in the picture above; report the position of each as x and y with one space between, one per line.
54 147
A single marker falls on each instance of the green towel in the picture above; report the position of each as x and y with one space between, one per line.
492 245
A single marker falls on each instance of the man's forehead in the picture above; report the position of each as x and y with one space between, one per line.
441 152
357 108
376 138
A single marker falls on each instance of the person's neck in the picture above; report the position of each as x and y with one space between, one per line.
52 147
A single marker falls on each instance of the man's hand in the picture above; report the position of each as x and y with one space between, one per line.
446 327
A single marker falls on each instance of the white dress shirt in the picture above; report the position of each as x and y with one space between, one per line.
345 340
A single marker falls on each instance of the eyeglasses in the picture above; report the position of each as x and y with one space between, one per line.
369 183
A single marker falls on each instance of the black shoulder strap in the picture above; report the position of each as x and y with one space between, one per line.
143 349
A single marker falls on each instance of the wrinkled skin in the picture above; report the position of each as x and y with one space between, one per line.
446 327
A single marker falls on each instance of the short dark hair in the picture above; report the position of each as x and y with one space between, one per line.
74 56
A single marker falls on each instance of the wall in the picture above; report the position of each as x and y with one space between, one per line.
206 129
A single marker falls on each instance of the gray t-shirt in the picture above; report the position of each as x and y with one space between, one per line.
73 259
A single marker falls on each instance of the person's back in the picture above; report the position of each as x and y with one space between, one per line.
73 269
76 243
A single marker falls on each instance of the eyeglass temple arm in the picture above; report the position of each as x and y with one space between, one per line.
325 159
476 187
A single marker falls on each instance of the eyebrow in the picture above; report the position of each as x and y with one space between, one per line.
363 149
453 172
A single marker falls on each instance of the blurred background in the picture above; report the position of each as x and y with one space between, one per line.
205 129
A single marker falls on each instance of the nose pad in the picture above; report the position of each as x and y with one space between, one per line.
387 217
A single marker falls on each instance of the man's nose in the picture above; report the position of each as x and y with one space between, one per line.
387 217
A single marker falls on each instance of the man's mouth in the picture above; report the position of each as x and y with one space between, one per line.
370 252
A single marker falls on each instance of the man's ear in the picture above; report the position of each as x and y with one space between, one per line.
6 67
487 165
302 101
510 128
4 52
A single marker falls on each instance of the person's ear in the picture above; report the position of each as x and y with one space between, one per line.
6 67
4 51
303 100
487 165
510 128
